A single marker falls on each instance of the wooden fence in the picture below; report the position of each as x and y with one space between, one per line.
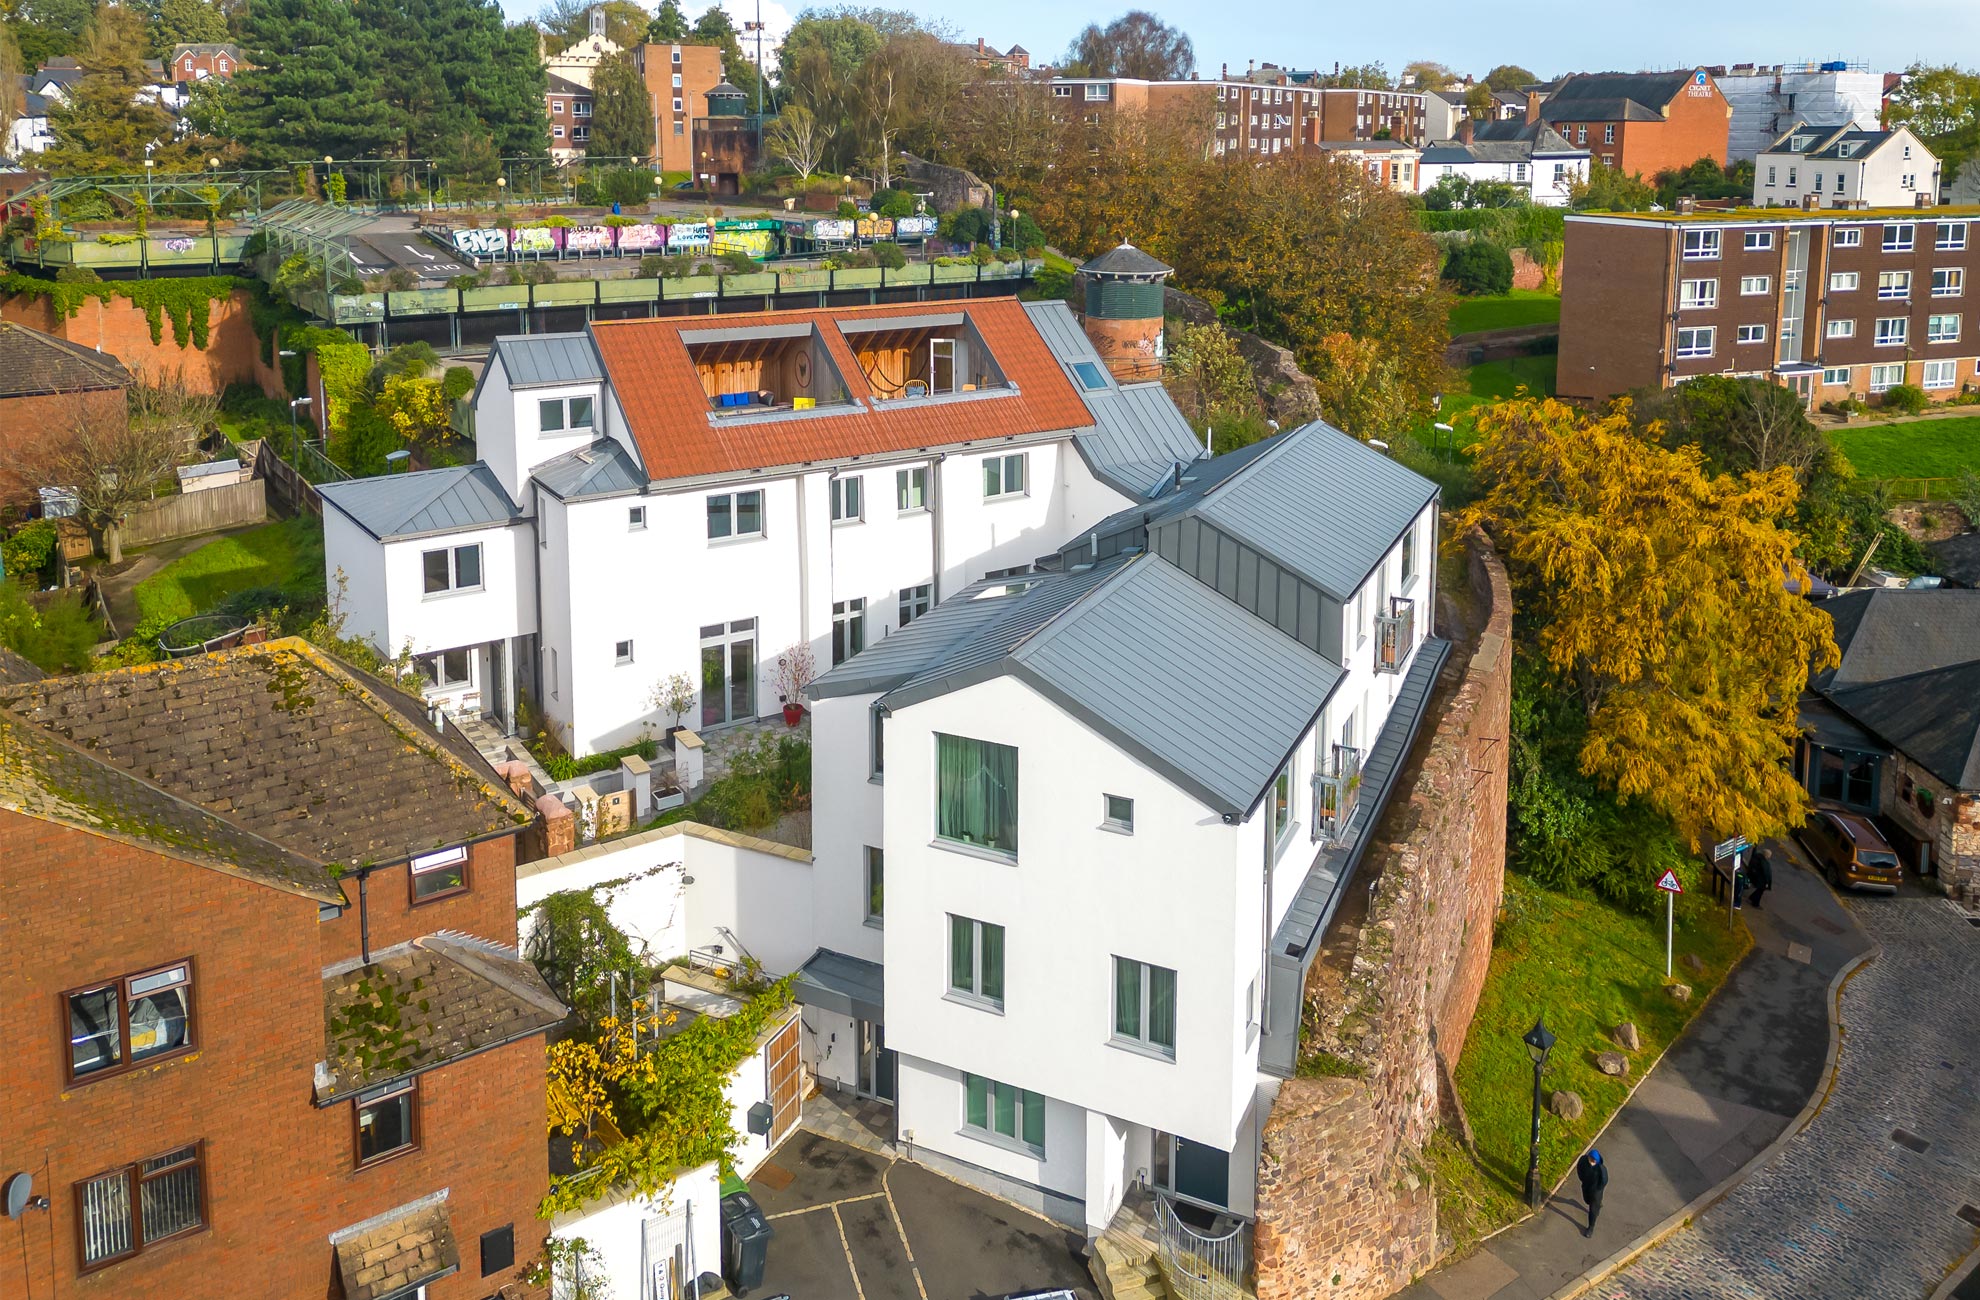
291 492
235 505
1920 489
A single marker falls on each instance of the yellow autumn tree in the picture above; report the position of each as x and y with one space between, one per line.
415 407
1658 590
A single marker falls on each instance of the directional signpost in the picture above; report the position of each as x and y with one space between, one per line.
1731 848
1669 884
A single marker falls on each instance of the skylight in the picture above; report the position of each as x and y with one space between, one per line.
1091 376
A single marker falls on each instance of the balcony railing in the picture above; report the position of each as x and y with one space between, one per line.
1336 791
1395 633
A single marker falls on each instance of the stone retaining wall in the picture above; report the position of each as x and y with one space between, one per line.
1345 1205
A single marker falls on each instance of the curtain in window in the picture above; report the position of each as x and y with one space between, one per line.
977 1111
1162 1007
1127 998
992 984
1034 1119
977 793
1006 1099
962 954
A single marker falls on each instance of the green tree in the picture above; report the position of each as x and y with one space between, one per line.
312 86
13 95
1137 44
45 29
1428 74
669 24
566 22
1479 266
1942 104
621 113
715 28
453 65
796 139
1359 76
1509 76
106 124
184 22
1610 189
1705 179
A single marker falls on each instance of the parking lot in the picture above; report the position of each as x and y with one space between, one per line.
850 1225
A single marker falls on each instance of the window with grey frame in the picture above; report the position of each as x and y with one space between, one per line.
876 885
976 961
976 794
1117 813
564 415
735 514
876 722
998 1111
848 500
848 628
452 568
1145 1005
915 601
911 489
1004 476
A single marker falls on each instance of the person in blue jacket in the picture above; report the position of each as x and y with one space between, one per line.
1594 1174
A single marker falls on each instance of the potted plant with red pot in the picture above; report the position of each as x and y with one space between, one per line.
795 670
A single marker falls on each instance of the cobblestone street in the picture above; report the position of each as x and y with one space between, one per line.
1846 1211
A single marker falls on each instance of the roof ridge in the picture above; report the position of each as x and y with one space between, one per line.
447 484
1039 635
189 856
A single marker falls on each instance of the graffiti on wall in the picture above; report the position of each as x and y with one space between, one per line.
756 243
642 238
688 236
537 239
481 243
588 239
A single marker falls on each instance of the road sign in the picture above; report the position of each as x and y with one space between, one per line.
1727 848
1669 884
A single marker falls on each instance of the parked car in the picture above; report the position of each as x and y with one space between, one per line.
1850 851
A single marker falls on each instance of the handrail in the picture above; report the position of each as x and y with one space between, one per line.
1199 1266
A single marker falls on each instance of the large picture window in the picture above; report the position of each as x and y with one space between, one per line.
976 793
128 1210
129 1020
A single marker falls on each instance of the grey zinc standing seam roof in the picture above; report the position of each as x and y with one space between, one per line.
541 360
600 470
424 503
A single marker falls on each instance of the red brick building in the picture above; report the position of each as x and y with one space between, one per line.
1255 115
1830 303
220 59
47 387
568 106
268 1033
1642 123
678 79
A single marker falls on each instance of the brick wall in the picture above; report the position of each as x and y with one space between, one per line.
232 354
1614 308
280 1173
487 910
1345 1208
1953 829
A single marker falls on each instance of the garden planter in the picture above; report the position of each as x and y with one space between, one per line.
666 799
793 714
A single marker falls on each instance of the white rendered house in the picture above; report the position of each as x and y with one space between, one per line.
1077 833
1843 166
695 495
1531 157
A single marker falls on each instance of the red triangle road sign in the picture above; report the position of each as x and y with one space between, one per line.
1669 884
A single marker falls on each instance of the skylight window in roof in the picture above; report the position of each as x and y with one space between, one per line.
1091 376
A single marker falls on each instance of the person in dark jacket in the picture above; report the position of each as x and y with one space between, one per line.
1762 871
1594 1174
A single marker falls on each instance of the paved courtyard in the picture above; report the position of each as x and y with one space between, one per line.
1847 1210
853 1224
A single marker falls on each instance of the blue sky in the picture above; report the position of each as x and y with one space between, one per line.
1547 36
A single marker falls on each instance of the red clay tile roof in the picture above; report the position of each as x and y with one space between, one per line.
665 406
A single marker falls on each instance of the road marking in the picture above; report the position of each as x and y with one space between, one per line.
902 1229
826 1205
846 1246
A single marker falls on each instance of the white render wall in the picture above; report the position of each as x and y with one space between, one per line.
612 1227
1540 185
1180 892
930 1117
358 558
847 815
499 609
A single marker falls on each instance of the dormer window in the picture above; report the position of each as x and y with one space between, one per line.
763 368
931 355
564 415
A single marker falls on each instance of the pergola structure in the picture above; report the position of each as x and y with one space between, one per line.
203 190
319 230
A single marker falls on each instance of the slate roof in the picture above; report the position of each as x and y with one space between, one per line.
603 469
1614 96
1126 259
1934 717
679 437
1886 633
277 742
1134 647
395 1254
456 995
427 502
16 670
1958 558
834 981
34 364
1504 142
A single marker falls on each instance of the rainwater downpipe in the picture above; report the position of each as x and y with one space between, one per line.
1265 943
364 914
935 524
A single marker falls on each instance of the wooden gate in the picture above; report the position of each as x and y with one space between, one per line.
783 1084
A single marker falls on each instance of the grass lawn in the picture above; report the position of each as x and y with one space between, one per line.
1587 967
288 554
1504 311
1920 449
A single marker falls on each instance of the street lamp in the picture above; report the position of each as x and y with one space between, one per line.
294 434
1538 1043
501 189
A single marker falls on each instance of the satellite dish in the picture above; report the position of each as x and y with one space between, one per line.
19 1194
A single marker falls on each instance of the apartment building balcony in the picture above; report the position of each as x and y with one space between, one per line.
1395 633
1336 794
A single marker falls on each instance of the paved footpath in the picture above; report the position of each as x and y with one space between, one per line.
1733 1082
1845 1210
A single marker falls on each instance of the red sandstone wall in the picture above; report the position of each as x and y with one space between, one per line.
232 354
1345 1206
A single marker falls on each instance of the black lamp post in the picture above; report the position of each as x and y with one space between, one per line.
1538 1043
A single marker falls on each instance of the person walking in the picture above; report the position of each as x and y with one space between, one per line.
1762 872
1594 1174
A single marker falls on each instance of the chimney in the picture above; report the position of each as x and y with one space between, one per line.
979 45
1465 131
1533 102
